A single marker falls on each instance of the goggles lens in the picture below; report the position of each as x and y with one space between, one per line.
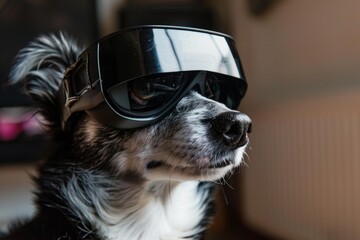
148 95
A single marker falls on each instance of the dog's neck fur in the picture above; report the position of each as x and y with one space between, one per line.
131 208
161 210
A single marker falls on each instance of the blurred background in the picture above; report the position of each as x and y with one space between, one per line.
302 61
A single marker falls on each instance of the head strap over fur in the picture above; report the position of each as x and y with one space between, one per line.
76 86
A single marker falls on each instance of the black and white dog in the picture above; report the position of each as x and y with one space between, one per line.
99 182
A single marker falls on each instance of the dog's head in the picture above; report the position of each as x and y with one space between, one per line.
201 139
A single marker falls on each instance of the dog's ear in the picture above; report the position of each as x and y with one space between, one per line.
41 66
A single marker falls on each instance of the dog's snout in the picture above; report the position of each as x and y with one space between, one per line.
232 128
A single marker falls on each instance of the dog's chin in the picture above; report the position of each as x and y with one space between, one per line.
161 170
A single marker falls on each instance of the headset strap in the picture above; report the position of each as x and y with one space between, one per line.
77 92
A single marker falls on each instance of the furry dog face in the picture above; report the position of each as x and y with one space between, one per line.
183 146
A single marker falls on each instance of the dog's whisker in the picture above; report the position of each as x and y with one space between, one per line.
245 158
226 183
224 195
246 155
244 163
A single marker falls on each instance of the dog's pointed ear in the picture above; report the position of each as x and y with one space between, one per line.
41 66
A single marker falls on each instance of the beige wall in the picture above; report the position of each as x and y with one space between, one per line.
16 193
302 61
303 47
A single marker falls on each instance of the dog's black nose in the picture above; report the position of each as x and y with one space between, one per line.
232 128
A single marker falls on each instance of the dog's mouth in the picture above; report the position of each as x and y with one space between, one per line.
220 164
200 167
160 170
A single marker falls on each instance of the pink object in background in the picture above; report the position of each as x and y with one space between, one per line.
15 122
9 130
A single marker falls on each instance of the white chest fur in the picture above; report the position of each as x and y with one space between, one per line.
167 211
159 211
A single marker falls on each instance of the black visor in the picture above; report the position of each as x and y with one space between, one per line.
137 76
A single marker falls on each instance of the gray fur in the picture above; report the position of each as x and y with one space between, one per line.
41 65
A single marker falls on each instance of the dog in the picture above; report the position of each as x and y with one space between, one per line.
100 182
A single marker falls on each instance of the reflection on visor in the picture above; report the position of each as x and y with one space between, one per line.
152 93
187 50
224 90
147 94
150 51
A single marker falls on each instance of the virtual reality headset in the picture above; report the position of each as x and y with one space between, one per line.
136 77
